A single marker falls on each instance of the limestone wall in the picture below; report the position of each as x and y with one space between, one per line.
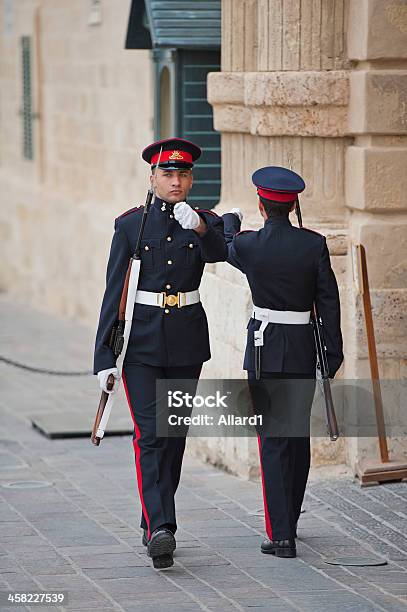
94 101
320 84
376 188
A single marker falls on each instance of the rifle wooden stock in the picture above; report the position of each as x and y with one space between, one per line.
116 344
101 408
123 299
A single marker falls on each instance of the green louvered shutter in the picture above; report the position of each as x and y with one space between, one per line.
195 121
27 110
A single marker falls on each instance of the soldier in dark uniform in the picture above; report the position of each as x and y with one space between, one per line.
169 334
288 270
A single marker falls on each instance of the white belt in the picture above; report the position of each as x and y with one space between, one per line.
285 317
150 298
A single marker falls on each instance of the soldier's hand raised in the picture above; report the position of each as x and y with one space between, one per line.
237 212
186 216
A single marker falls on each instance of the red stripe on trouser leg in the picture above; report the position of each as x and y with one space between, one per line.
137 454
269 530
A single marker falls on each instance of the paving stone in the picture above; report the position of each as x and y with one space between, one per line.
82 535
38 567
78 551
109 560
110 573
344 600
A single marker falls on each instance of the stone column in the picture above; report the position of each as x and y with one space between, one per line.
376 188
282 96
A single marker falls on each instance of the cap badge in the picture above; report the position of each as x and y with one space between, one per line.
175 155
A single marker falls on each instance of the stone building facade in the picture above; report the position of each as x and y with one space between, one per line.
320 84
91 102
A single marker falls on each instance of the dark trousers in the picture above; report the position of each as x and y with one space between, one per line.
284 401
158 459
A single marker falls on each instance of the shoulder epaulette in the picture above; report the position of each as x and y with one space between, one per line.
210 212
243 232
127 212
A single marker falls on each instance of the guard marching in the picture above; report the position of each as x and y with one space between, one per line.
288 270
169 333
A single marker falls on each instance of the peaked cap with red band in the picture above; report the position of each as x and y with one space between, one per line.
176 154
278 184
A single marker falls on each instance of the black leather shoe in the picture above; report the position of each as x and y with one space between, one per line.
160 548
144 537
280 548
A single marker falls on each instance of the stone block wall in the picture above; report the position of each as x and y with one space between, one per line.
94 101
321 84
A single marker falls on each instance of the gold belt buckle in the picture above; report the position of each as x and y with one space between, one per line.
171 300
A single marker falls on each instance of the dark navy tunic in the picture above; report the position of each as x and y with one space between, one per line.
287 268
172 260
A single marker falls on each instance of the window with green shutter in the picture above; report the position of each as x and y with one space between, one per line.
26 109
195 122
185 36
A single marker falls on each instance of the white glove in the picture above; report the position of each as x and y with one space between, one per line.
237 212
103 375
186 216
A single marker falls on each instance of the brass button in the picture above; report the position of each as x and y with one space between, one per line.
169 238
168 286
169 262
146 248
166 311
191 246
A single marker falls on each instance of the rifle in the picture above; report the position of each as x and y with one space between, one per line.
121 331
117 343
101 408
322 366
322 360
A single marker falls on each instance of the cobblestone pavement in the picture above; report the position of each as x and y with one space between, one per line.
80 534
